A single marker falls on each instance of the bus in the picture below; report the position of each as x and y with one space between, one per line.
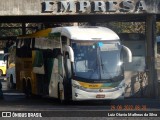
10 59
72 63
2 64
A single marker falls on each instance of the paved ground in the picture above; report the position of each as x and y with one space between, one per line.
16 101
13 99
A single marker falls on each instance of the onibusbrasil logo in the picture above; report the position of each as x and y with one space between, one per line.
21 114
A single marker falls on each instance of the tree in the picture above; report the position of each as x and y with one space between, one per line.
10 29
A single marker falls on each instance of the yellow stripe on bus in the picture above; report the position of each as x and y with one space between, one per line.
90 85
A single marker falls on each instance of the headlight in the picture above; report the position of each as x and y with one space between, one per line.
77 86
120 63
121 85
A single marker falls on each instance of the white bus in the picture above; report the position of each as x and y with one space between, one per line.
2 63
73 63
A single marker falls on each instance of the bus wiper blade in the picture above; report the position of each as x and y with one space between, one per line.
102 65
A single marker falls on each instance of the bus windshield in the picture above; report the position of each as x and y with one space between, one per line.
98 61
1 56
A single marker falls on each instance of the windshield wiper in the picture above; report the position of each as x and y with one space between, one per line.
101 62
102 66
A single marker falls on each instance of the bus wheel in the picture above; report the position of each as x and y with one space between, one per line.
10 83
28 90
64 102
1 72
67 79
59 94
68 67
24 85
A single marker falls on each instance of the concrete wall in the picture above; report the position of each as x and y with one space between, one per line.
136 84
20 7
34 7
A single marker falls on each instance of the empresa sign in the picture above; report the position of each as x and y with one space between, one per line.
93 6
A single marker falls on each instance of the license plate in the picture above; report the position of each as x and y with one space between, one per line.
100 96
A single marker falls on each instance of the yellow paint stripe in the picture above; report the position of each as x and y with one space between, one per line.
90 85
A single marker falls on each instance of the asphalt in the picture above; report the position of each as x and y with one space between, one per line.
15 97
15 101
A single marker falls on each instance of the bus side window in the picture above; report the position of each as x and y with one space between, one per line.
24 47
64 40
56 52
58 55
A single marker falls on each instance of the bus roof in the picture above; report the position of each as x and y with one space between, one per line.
86 33
41 33
1 52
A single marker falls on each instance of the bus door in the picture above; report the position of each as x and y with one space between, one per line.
56 75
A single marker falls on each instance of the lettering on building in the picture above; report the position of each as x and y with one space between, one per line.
93 6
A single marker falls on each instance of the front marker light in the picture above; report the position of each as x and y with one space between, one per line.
120 63
76 94
78 87
121 85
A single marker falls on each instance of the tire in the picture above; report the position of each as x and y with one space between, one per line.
10 83
28 89
58 92
24 85
68 67
64 102
1 92
67 79
1 73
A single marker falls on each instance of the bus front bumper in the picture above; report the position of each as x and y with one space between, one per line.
78 95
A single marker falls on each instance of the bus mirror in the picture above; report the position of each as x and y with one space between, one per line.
71 53
68 69
127 54
5 56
